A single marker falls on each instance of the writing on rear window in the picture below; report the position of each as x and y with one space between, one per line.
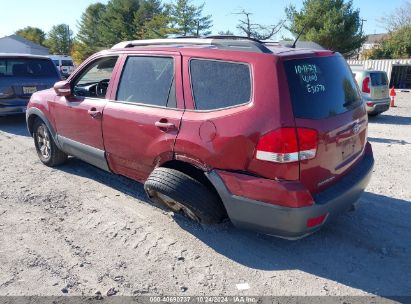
305 69
321 87
309 74
316 88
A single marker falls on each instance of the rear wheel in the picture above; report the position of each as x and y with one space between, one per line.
184 194
46 148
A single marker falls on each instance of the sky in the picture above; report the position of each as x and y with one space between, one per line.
17 14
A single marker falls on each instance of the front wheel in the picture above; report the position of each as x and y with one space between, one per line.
46 148
184 194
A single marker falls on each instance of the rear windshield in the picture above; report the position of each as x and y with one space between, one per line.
378 79
321 87
67 63
21 67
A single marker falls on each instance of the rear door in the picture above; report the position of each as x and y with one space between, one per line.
325 98
142 119
379 85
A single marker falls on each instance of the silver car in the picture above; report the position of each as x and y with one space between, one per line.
375 91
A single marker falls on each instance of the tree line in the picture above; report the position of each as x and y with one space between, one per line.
397 43
103 25
334 24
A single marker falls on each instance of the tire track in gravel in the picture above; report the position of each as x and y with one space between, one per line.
56 209
79 229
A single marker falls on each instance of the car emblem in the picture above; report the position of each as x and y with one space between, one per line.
356 128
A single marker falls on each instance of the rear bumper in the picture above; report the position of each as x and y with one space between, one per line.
379 106
12 110
12 107
291 223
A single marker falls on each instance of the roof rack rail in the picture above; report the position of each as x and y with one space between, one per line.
220 42
167 41
183 37
271 42
234 37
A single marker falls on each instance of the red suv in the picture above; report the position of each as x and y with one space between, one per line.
274 138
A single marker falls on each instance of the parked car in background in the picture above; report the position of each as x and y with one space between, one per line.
64 64
375 91
21 75
273 137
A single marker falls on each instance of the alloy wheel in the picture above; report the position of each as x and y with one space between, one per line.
43 141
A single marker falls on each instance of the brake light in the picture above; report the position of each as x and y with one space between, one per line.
366 85
324 53
316 221
286 145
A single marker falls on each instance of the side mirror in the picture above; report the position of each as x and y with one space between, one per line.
62 88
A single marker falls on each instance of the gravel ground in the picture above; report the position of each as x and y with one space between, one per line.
76 230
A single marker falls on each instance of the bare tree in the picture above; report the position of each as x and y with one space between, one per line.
255 30
399 18
226 33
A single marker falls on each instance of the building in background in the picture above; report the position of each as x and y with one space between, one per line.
17 44
398 70
372 41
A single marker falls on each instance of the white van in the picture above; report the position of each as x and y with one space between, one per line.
64 64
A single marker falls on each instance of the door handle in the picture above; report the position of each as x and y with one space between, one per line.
93 112
165 126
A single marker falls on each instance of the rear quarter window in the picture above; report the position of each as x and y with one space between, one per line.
219 84
321 87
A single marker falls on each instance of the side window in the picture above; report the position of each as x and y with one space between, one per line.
94 80
148 80
219 84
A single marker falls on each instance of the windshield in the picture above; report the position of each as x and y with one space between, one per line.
321 87
27 67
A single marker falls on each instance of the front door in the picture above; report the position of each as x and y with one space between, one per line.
78 118
142 121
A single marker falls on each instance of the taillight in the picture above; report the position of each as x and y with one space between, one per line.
286 145
6 92
366 85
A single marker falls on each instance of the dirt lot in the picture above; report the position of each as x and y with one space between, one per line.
77 230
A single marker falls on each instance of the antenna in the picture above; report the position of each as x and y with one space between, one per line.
299 35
